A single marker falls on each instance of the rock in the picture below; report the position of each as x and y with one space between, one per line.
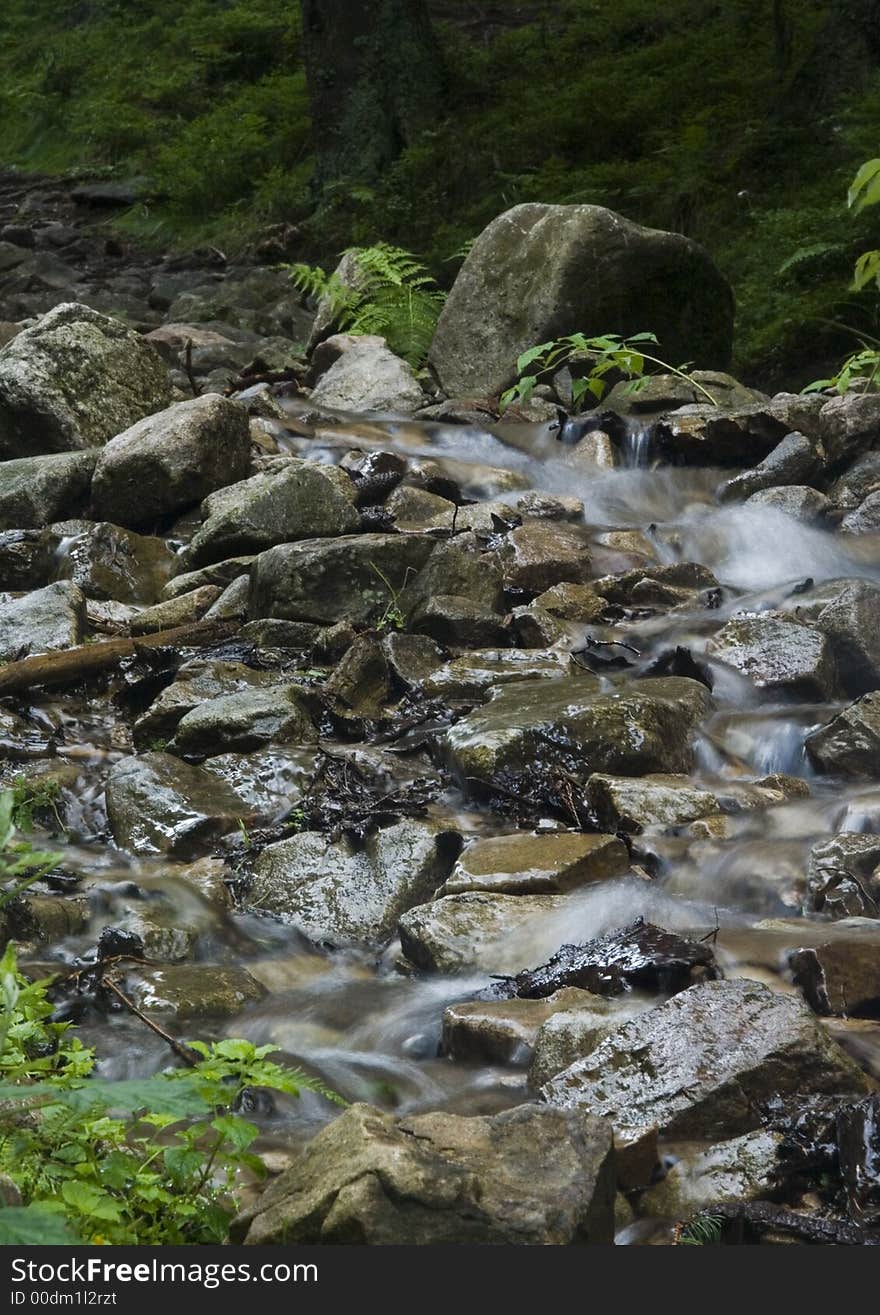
571 1033
859 482
700 1067
331 580
461 570
572 602
457 622
157 804
659 393
193 990
45 621
411 658
47 919
74 380
172 460
528 729
793 461
272 782
109 563
417 508
858 1142
850 425
369 377
541 271
26 559
540 554
524 864
843 876
777 652
842 975
851 618
362 683
517 1177
743 1168
244 721
657 586
349 274
547 506
640 956
197 683
503 1031
170 340
179 611
485 933
218 573
624 803
865 519
534 627
706 435
335 893
795 500
36 491
849 745
299 500
471 676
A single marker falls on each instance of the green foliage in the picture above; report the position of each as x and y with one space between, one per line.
152 1161
393 617
702 1230
392 295
21 866
598 361
31 798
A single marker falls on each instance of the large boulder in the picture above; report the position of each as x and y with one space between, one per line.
172 460
530 728
527 1176
243 721
700 1067
74 380
541 271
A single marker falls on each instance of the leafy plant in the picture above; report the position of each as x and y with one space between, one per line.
702 1230
29 798
392 295
602 356
393 618
149 1161
21 866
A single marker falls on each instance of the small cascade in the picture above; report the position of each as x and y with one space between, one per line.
635 445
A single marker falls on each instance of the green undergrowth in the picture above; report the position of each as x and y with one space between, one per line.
709 119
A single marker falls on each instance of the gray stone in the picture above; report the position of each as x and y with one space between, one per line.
482 932
473 675
45 621
849 745
157 804
843 876
793 461
519 1177
195 990
172 460
705 435
179 611
859 482
110 563
841 975
573 1032
218 573
74 380
540 271
796 500
503 1031
777 652
624 803
540 554
656 586
369 377
851 618
243 721
523 864
533 727
271 781
865 519
298 500
658 393
332 580
700 1066
198 682
36 491
743 1168
334 892
850 425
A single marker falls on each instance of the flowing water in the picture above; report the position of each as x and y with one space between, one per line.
372 1031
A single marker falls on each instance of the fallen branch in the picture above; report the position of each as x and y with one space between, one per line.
71 665
189 1057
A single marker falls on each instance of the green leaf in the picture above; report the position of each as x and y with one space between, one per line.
91 1201
867 271
34 1225
864 190
237 1131
533 354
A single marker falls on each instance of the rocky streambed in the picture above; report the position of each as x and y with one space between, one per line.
519 780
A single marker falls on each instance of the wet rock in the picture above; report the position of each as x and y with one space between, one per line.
44 621
843 876
700 1067
705 435
471 676
412 658
232 605
657 586
524 864
865 519
38 490
415 508
502 1031
172 460
572 602
517 1178
218 573
272 782
110 563
197 683
850 425
194 990
336 893
540 554
859 482
571 1033
46 919
639 956
483 932
246 720
179 611
795 500
778 652
535 627
369 377
26 559
659 393
362 682
851 619
842 975
332 580
535 727
458 622
157 804
624 803
539 271
298 500
849 745
298 636
74 380
793 461
858 1141
170 340
552 507
744 1168
460 570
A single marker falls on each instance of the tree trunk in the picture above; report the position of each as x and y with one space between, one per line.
376 80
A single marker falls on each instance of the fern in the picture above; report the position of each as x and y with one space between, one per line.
702 1230
805 254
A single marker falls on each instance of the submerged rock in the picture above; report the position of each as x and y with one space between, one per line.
527 1176
700 1067
74 380
157 804
193 990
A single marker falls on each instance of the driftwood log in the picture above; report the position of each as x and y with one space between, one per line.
73 664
